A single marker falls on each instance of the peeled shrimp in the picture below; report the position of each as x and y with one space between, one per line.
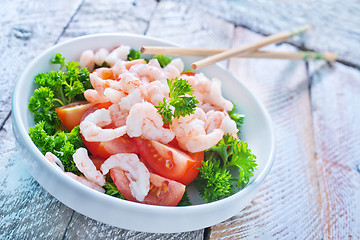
85 165
135 171
91 127
191 135
144 120
129 81
130 100
54 160
100 56
152 73
118 54
94 96
87 60
155 92
208 92
113 95
86 182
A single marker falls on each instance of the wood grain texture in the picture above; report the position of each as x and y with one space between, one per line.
335 104
27 28
286 205
334 22
111 16
27 210
186 24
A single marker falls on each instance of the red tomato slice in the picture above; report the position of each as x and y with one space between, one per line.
163 192
123 144
189 73
167 161
97 161
70 115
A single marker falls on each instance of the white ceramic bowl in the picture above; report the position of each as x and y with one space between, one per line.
257 131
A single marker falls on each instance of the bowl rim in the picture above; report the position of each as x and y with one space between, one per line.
20 125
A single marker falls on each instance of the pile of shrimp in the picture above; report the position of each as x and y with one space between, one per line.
133 88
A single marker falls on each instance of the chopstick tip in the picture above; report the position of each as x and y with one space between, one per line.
194 66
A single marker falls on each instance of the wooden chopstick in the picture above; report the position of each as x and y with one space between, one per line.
249 47
301 55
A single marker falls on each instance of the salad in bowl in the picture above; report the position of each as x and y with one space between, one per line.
110 129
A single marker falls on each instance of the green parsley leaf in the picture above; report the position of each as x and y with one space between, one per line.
163 60
134 54
185 201
111 189
182 101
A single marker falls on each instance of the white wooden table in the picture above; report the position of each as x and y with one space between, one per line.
313 189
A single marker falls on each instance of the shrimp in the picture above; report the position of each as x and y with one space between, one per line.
135 171
118 116
215 97
172 71
102 79
155 92
118 69
91 127
100 56
87 60
87 167
129 81
190 132
85 182
144 120
94 96
208 92
130 100
129 64
54 160
178 63
113 95
221 120
118 54
152 73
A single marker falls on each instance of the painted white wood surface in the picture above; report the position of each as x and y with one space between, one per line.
314 186
335 97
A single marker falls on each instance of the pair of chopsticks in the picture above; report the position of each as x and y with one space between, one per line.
245 51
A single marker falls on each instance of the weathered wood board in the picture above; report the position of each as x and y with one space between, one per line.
286 206
27 29
335 106
335 23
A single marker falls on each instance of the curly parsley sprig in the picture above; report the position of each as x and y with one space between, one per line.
57 88
182 101
215 180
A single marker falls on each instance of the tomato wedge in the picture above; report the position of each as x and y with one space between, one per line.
189 73
70 115
169 162
123 144
163 192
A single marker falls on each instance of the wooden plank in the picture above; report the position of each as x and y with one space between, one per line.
186 24
287 204
334 23
27 210
82 227
27 28
111 16
336 103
